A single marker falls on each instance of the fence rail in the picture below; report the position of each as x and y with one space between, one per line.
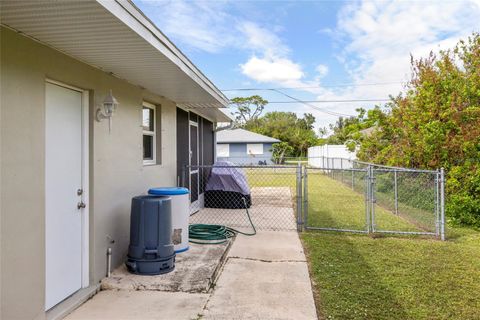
396 200
333 195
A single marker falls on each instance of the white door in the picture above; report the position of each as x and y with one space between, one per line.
63 193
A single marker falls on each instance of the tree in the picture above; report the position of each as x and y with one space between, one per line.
351 131
436 123
299 133
281 150
248 109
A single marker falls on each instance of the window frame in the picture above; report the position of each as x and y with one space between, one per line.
249 147
152 134
224 145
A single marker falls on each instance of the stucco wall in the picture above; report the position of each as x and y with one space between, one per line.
238 154
116 169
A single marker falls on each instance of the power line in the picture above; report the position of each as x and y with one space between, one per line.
330 101
329 112
316 87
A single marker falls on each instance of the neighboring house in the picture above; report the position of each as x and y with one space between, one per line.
68 172
244 147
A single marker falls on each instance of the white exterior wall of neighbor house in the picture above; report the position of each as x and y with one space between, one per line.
116 166
245 153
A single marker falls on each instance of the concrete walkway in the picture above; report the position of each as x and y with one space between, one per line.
264 277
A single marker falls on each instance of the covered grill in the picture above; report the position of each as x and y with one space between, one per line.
227 187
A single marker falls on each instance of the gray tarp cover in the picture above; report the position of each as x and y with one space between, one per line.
226 177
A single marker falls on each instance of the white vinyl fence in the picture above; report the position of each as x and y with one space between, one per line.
331 156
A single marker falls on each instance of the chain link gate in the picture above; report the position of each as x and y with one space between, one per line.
351 196
336 200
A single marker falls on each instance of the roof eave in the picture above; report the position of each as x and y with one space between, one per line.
137 21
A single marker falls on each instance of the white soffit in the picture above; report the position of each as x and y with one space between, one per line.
212 114
115 37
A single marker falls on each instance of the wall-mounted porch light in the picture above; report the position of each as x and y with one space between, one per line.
110 104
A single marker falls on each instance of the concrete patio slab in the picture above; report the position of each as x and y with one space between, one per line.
264 277
195 271
272 209
140 305
269 246
250 289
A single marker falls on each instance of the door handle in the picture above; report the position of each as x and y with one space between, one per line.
81 205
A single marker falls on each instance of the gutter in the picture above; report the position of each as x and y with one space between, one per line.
172 52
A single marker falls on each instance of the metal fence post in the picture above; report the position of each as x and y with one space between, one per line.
367 199
341 167
396 191
332 166
299 198
305 198
353 176
442 204
437 203
328 167
372 198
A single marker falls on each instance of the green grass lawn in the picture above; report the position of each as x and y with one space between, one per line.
381 277
333 204
360 277
364 277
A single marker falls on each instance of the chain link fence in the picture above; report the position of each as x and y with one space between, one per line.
228 195
374 198
333 194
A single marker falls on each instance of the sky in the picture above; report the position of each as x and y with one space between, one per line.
312 50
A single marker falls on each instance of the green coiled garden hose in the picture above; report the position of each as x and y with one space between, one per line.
216 233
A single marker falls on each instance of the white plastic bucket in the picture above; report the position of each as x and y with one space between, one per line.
180 214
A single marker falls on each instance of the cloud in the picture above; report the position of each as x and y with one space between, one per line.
269 61
211 27
377 38
322 70
202 25
262 40
382 35
272 70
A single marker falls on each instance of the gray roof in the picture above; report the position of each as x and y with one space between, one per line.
242 136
